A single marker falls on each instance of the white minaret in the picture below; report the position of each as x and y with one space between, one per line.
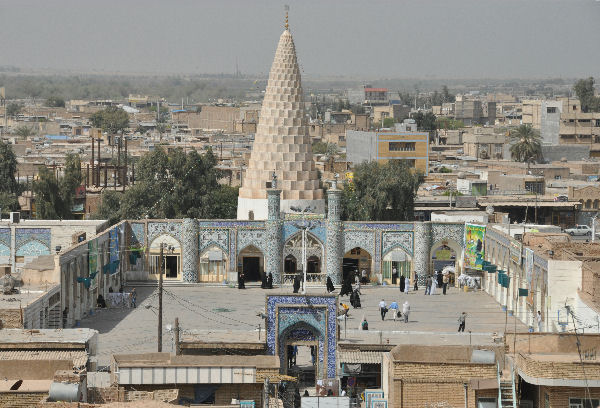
281 144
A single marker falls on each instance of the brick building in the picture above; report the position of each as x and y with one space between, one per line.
453 376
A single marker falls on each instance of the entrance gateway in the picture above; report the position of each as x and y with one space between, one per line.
302 320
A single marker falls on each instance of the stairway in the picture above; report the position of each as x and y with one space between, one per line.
507 396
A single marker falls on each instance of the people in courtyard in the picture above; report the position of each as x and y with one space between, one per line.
539 321
433 283
263 283
364 325
133 298
346 286
344 309
402 283
355 299
407 285
394 309
428 285
363 277
416 286
405 310
357 283
394 275
270 281
296 283
445 281
462 320
297 398
101 303
382 309
241 281
440 279
330 287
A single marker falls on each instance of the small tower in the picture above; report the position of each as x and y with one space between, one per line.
282 143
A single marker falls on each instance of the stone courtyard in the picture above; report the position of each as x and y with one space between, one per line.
231 314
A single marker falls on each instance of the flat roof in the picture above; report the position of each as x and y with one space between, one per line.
167 359
25 297
78 357
55 336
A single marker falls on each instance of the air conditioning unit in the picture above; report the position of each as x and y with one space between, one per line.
15 217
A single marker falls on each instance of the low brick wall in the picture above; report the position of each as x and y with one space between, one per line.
21 399
562 370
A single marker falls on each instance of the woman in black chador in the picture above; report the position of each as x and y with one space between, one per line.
330 287
346 286
402 283
270 281
296 284
241 281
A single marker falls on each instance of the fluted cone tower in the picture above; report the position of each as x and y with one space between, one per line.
281 144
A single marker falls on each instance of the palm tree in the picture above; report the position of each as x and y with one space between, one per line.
526 144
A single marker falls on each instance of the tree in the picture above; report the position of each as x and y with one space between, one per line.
55 102
381 192
24 131
388 122
584 88
8 169
110 205
426 122
111 119
48 201
13 109
526 145
446 95
54 197
173 185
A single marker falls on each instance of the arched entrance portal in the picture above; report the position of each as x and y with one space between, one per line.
171 258
292 256
213 265
396 263
299 353
357 260
446 253
251 261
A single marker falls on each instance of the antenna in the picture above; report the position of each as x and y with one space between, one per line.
287 9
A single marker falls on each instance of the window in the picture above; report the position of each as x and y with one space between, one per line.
486 403
583 402
557 177
401 146
551 109
574 107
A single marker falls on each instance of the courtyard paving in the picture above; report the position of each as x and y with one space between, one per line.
227 313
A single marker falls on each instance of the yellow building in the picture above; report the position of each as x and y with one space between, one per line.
412 147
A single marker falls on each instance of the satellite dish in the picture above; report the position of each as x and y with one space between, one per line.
489 209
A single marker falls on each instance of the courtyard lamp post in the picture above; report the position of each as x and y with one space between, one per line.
304 226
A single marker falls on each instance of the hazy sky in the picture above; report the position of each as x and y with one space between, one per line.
376 38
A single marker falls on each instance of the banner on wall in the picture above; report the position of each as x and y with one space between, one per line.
529 275
516 248
474 247
113 245
93 262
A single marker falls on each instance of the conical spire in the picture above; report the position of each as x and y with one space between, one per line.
282 143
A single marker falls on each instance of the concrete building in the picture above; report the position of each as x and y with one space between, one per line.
544 115
484 143
469 111
282 145
412 147
375 96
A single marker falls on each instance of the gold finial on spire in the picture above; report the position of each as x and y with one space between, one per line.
287 8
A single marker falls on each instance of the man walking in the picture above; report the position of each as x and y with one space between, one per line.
394 308
416 287
405 310
382 309
428 285
461 322
445 281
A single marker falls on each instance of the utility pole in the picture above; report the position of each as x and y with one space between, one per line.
176 328
160 292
